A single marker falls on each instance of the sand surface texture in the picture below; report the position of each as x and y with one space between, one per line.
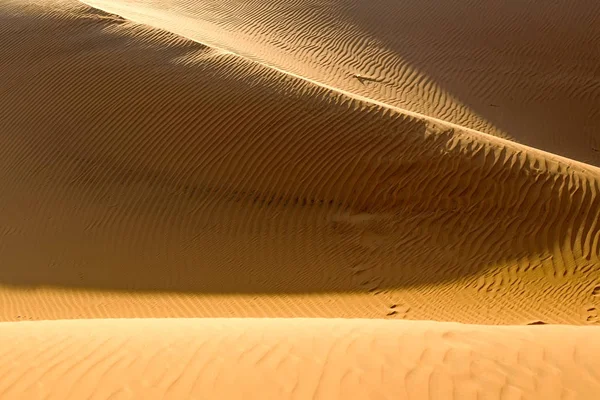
528 70
319 359
146 175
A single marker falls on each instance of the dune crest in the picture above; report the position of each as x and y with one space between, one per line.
524 70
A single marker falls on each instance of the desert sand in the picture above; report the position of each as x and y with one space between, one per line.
525 70
183 160
317 359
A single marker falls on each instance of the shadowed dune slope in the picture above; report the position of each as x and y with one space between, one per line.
527 70
178 180
296 359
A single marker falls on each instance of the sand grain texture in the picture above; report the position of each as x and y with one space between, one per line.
296 170
145 175
295 359
526 70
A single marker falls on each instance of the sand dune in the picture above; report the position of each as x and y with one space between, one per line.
308 169
295 359
525 70
144 174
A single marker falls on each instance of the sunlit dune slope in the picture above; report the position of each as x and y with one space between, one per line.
527 70
295 359
143 174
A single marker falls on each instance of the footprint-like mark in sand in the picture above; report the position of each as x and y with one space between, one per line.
592 315
537 323
362 79
398 311
596 291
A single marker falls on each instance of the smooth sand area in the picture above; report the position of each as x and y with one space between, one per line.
295 359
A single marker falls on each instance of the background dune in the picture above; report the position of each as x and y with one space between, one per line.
144 174
295 359
526 70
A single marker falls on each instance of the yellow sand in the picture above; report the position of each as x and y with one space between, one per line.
525 70
147 175
280 359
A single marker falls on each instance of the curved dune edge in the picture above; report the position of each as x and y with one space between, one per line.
145 174
295 359
525 71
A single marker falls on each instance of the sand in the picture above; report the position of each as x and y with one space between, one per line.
525 70
148 175
296 359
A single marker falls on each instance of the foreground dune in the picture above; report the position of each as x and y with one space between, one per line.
526 70
144 174
295 359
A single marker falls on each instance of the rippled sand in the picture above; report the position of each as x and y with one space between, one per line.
148 175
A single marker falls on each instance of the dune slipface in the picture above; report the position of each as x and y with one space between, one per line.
296 359
147 175
525 70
